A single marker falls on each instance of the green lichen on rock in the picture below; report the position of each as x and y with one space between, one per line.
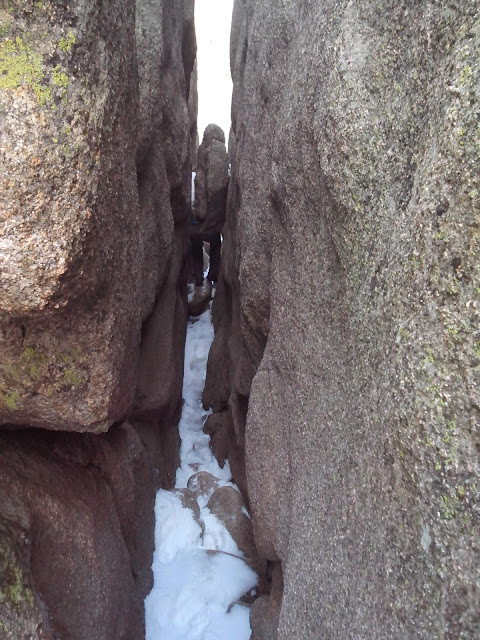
476 349
72 378
59 77
16 591
4 28
34 371
19 613
28 367
12 583
65 44
10 400
5 23
465 77
33 361
21 66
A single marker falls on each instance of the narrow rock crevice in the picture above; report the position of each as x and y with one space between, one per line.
342 383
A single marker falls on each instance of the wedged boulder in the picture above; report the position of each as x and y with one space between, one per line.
202 484
198 306
265 625
228 505
200 300
265 611
211 181
188 500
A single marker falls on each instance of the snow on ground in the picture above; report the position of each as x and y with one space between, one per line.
195 453
198 576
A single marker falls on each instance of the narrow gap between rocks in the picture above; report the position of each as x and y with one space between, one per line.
202 583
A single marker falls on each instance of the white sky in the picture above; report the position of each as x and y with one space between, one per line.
212 23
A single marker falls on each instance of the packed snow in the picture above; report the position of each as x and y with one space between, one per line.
199 573
195 453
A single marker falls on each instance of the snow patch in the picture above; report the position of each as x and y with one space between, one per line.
199 573
195 452
194 175
192 596
245 512
176 530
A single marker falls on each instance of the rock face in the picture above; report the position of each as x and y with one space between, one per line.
82 506
93 182
348 313
193 111
20 611
95 145
211 181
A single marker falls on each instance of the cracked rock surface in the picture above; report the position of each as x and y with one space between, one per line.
348 313
95 181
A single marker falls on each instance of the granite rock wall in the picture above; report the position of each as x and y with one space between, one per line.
347 315
95 184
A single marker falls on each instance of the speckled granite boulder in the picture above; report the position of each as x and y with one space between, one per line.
352 255
95 175
84 540
21 613
67 194
94 197
227 504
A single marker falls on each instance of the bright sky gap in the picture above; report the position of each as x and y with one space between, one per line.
212 22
